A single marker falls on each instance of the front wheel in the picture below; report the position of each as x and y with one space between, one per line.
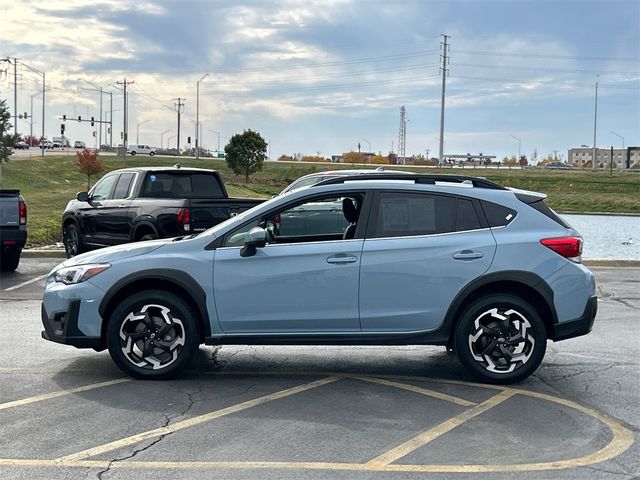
133 153
500 338
152 334
152 154
72 242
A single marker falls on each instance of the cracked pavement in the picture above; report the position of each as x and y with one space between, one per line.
344 421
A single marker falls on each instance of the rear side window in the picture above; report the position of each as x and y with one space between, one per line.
182 185
498 215
406 214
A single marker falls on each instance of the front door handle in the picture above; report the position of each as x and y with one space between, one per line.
467 255
342 259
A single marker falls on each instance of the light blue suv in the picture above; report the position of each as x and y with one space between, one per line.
489 272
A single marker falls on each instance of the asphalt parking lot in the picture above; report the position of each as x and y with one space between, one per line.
319 412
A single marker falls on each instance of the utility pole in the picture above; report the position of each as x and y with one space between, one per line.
125 135
110 119
611 162
179 109
445 60
595 125
198 114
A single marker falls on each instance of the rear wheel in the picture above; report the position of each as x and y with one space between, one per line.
500 338
72 242
148 236
152 335
9 260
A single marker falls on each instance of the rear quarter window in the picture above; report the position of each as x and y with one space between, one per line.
498 215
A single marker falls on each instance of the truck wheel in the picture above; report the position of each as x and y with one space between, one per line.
72 242
133 153
151 154
152 334
500 338
148 236
9 261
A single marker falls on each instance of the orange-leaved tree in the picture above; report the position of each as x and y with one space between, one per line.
88 163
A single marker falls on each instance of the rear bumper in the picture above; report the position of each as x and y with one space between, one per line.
12 238
63 328
579 326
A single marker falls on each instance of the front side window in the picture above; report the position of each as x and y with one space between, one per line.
321 219
401 214
103 188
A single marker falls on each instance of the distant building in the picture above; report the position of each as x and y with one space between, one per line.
623 158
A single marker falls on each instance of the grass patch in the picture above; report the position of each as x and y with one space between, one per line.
49 183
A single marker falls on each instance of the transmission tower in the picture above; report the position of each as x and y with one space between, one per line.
402 136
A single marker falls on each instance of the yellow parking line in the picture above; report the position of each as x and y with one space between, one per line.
157 432
435 432
60 393
423 391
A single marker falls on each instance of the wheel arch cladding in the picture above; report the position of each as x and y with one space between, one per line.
176 281
526 285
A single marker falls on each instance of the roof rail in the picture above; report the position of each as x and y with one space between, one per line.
417 178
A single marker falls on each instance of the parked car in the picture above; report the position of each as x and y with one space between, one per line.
141 150
558 166
317 177
79 144
489 272
147 203
13 228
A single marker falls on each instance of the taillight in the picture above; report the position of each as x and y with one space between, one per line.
22 212
184 219
568 247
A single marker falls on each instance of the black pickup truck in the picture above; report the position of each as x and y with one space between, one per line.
135 204
13 228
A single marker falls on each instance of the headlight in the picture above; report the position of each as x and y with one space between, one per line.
79 273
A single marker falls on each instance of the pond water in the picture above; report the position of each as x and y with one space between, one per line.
608 237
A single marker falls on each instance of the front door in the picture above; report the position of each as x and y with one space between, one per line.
304 281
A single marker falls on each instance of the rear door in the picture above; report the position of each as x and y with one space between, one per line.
420 250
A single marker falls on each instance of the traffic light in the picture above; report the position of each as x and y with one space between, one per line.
79 118
188 139
62 129
92 121
64 117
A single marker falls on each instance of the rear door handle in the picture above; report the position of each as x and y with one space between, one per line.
342 259
467 255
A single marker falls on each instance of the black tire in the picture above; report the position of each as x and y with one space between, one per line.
151 154
132 329
148 236
9 261
500 338
133 153
73 241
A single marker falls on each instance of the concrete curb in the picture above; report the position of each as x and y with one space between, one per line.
52 253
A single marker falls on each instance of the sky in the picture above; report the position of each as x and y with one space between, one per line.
321 77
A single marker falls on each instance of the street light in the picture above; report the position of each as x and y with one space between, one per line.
619 136
138 130
169 141
43 98
198 112
217 149
519 145
161 137
98 89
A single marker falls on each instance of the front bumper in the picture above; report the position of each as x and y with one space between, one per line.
63 328
579 326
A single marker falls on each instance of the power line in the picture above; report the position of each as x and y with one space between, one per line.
444 70
548 56
125 134
542 69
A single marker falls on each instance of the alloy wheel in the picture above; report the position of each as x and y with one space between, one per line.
501 340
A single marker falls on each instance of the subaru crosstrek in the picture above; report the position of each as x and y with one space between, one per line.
489 272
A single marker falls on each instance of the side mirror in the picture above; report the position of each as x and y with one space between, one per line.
256 238
82 196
